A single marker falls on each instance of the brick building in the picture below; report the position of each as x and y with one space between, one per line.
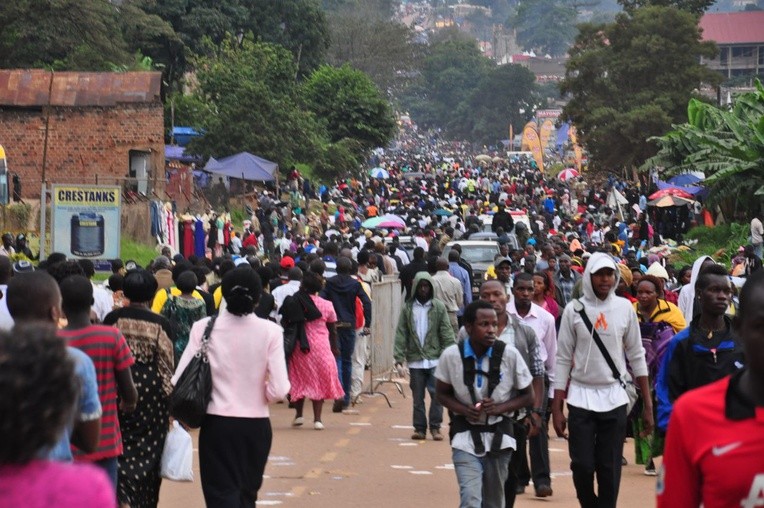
100 127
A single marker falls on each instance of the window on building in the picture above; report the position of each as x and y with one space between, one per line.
744 52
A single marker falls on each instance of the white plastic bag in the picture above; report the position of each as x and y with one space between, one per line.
178 455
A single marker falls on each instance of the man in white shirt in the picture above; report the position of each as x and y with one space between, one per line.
757 235
481 447
596 398
103 302
280 293
542 322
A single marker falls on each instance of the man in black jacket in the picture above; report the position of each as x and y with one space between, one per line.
502 219
342 290
409 271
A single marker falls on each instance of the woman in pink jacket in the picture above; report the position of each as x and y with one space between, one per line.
246 357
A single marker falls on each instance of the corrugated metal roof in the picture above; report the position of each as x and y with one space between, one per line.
24 87
733 27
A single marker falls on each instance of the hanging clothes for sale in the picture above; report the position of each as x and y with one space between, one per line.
169 221
220 227
213 234
188 236
199 247
227 234
156 222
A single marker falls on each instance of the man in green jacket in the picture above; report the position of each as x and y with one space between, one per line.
424 332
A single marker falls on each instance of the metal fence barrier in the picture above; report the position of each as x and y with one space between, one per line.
387 300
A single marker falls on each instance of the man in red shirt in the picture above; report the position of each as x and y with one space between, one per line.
714 454
112 358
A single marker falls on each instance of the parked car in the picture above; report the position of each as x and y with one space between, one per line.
517 215
407 242
513 243
478 253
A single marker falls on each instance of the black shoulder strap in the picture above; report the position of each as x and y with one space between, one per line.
208 329
468 372
579 307
494 365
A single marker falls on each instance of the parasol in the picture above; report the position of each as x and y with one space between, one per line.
389 224
484 158
671 191
442 212
566 174
670 200
379 173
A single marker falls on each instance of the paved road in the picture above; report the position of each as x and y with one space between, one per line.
367 460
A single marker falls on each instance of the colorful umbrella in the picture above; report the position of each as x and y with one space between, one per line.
566 174
379 173
389 224
670 200
671 191
442 212
684 179
392 218
371 223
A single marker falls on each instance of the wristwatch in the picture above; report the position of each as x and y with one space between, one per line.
539 411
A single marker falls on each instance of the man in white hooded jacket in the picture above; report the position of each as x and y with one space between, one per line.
596 399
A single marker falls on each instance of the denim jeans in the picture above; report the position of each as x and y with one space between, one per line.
346 338
596 447
481 479
110 466
422 379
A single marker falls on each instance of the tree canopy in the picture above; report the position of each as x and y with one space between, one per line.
727 145
631 79
545 26
693 6
349 104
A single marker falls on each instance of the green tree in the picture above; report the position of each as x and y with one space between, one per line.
61 34
254 104
451 69
545 26
350 106
298 25
631 79
506 94
380 47
725 144
694 6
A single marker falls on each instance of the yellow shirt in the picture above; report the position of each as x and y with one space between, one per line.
161 297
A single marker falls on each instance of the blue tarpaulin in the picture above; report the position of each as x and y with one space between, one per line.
244 165
178 153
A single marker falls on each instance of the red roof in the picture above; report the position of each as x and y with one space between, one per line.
733 27
31 87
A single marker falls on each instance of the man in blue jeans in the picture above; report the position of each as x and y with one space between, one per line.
424 332
342 290
481 381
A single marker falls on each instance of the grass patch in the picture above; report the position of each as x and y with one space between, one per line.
138 252
721 242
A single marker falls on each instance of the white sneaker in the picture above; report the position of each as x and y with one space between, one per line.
318 426
298 421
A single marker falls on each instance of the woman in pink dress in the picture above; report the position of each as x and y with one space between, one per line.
313 373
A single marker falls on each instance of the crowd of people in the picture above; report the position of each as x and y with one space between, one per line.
581 320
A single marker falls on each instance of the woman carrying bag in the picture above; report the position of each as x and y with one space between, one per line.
248 371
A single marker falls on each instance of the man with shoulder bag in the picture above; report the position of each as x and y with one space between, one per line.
597 333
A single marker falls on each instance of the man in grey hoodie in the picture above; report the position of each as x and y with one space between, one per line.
596 400
424 332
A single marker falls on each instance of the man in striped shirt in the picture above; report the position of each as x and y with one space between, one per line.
112 358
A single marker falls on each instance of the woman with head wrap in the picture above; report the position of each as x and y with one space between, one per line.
150 338
624 284
246 358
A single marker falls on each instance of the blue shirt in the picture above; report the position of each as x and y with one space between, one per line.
88 405
463 277
468 351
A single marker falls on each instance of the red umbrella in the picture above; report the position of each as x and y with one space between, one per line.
672 191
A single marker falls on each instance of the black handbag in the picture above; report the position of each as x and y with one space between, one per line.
192 392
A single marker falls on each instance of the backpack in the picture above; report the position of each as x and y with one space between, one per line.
655 339
459 423
170 311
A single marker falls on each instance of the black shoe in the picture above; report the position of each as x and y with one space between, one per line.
520 489
543 491
337 406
